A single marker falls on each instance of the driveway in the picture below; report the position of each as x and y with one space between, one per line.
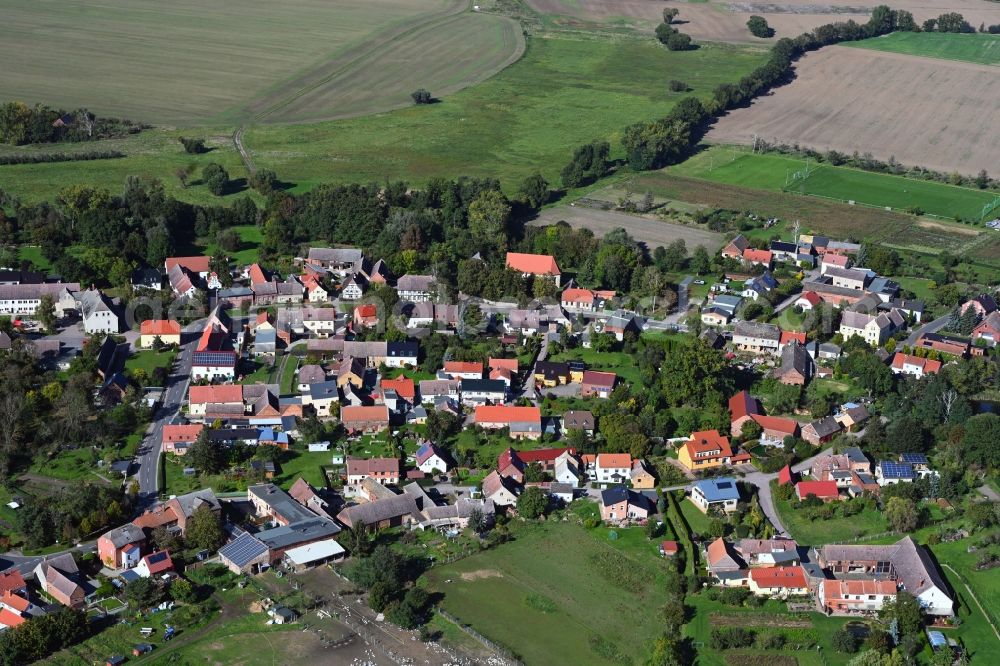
930 327
762 482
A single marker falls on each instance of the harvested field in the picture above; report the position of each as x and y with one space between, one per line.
867 101
722 20
650 231
188 62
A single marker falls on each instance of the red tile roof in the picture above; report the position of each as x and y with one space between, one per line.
597 378
792 336
403 386
743 404
256 275
669 547
16 602
785 475
366 311
820 489
705 441
193 264
222 393
929 366
159 327
507 414
839 260
779 577
576 295
10 619
777 424
456 367
503 363
11 580
158 562
357 466
812 297
614 461
536 264
181 433
542 455
361 413
760 256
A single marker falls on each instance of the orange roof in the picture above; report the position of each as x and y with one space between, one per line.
598 378
669 547
463 366
614 460
717 550
16 602
160 327
760 256
367 310
776 423
706 441
792 336
835 260
11 580
820 489
929 366
9 619
193 264
781 577
839 589
536 264
588 458
403 386
506 363
152 518
256 274
576 295
507 414
224 393
181 433
263 317
357 413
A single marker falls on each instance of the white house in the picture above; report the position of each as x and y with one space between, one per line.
430 458
567 469
399 354
354 288
97 312
320 321
24 299
613 467
720 493
415 288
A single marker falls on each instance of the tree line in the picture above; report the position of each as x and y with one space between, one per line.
21 124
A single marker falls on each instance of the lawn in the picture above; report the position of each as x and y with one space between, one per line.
735 166
549 595
972 47
149 360
696 520
617 362
958 566
833 530
249 251
288 375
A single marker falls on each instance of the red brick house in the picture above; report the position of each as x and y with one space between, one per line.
597 384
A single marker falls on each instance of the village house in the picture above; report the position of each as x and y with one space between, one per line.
831 260
578 419
365 316
720 494
576 299
463 369
613 467
178 438
416 288
943 344
905 364
855 597
987 332
500 490
542 265
59 577
154 564
904 562
432 389
360 418
797 367
320 321
725 565
851 416
756 337
821 430
621 505
551 373
779 582
772 552
823 490
640 477
753 257
847 278
430 458
384 470
322 397
480 391
168 331
874 329
24 299
523 422
807 301
120 548
402 353
982 305
758 286
597 384
214 358
705 449
338 260
735 248
567 469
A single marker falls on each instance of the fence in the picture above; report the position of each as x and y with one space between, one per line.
507 657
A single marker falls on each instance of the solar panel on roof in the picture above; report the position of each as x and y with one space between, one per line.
724 485
243 550
157 557
896 469
914 458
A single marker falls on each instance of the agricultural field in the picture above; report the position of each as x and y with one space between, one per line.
564 92
187 63
560 594
975 47
720 20
734 166
646 230
850 99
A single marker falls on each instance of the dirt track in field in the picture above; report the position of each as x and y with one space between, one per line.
649 231
933 113
725 20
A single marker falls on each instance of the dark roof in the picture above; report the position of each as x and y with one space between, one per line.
243 550
401 349
298 532
486 385
551 369
147 276
782 246
614 495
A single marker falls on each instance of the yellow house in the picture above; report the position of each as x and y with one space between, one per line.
549 373
640 477
576 370
706 449
169 332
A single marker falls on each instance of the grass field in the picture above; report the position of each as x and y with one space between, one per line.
974 47
834 530
724 164
562 93
232 61
149 360
618 362
548 596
